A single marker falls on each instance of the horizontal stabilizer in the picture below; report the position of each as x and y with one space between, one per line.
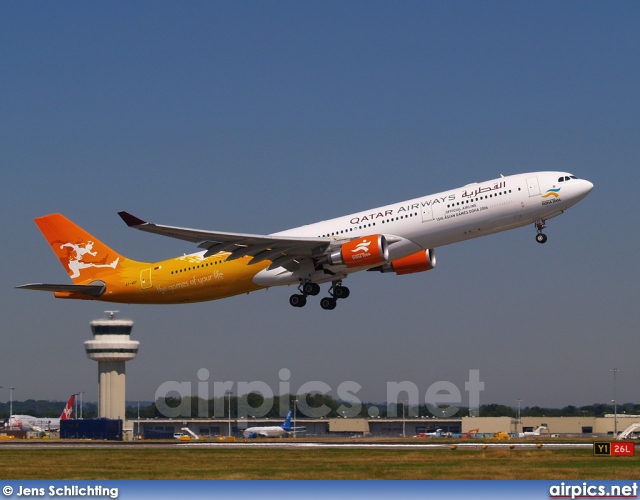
91 290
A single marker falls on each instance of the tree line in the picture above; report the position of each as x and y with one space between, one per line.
279 406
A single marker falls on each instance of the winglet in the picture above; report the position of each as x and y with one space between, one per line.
131 220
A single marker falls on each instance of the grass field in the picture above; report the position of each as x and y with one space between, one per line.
243 463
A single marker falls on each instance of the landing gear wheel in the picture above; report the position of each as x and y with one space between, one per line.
540 225
328 303
341 292
309 288
297 300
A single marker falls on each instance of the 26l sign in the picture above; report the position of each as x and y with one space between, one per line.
614 449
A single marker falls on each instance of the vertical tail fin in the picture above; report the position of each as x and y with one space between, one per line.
67 413
287 423
84 256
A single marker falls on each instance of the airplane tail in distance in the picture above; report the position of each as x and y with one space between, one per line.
67 413
287 423
84 256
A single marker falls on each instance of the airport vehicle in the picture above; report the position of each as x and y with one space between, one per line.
499 436
471 434
189 434
27 422
274 430
535 432
398 238
629 432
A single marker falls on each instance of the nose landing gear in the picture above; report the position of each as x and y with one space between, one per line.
540 225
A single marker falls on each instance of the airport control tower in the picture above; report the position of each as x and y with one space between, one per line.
111 347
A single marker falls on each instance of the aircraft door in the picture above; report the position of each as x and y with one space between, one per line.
533 186
145 278
427 213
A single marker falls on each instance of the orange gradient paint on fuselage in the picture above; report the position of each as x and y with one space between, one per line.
189 278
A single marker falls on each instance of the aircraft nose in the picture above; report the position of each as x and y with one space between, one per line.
583 189
587 187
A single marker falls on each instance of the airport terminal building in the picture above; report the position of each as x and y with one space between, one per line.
584 426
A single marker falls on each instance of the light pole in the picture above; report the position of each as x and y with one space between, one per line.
403 423
295 401
519 401
11 389
138 429
81 393
229 393
615 404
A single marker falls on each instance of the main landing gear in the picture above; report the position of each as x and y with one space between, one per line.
540 225
306 288
337 291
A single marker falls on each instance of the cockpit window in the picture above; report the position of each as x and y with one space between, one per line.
567 178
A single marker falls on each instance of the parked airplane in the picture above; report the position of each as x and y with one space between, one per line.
535 432
27 422
274 430
436 433
398 238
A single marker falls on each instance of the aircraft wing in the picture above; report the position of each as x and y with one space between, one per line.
294 430
90 290
282 251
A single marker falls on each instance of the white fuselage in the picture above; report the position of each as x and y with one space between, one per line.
267 431
27 422
448 217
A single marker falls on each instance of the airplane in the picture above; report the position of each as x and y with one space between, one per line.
535 432
437 433
274 430
27 422
399 238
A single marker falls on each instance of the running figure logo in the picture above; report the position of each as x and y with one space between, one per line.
76 264
362 247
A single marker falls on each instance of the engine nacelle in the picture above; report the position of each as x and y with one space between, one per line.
424 260
361 252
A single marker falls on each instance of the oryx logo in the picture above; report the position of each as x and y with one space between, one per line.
76 263
362 247
552 193
67 413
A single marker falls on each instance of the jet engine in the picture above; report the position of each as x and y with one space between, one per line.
424 260
361 252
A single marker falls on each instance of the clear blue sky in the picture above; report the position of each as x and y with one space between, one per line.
260 116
